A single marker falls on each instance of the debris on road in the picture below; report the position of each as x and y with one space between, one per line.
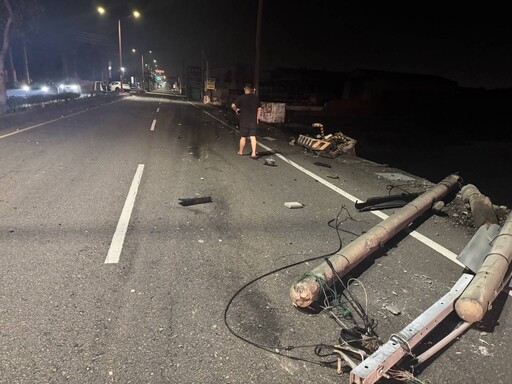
335 177
393 309
195 200
270 161
293 205
484 351
331 145
385 202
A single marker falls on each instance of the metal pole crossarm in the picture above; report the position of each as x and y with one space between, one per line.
308 289
374 367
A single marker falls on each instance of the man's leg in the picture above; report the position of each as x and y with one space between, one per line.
253 145
242 145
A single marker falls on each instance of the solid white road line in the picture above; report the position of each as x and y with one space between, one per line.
153 125
116 246
418 236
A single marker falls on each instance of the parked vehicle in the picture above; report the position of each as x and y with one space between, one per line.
69 86
43 88
116 86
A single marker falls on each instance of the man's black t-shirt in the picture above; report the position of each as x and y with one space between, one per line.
248 104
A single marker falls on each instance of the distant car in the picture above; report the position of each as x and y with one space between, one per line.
116 86
18 90
43 88
69 86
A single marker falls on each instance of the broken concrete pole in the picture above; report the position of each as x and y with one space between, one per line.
308 289
486 285
481 206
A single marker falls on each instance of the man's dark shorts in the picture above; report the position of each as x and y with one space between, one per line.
246 132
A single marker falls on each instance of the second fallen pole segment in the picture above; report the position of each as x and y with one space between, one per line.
307 290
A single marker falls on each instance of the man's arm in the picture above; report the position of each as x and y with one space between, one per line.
235 108
258 118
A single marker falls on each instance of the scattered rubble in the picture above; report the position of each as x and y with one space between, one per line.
331 145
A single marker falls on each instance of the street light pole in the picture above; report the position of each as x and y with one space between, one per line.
121 89
258 40
142 70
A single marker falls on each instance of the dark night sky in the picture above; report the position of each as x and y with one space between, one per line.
468 43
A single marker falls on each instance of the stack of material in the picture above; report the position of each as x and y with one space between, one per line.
341 144
328 145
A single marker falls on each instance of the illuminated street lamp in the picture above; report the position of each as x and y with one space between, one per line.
135 14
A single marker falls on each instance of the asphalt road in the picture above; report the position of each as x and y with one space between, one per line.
106 278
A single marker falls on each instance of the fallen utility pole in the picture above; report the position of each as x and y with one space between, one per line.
478 296
481 206
308 289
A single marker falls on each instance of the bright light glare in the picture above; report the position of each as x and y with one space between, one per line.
25 88
45 89
136 14
154 61
134 50
122 69
101 10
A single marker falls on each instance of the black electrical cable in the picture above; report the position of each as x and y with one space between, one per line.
276 349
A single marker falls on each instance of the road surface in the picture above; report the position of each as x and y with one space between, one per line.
106 278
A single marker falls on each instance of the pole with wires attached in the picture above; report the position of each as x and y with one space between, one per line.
309 288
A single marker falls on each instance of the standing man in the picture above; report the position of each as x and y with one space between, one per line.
248 109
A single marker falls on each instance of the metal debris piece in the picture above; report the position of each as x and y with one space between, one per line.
195 200
270 161
476 250
335 177
402 343
383 202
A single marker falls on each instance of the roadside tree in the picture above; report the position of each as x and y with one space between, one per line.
16 18
6 25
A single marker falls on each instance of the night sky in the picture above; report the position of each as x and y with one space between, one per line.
466 42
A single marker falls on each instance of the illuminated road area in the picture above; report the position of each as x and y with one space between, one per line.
107 278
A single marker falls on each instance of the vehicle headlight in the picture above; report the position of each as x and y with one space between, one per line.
25 88
45 89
